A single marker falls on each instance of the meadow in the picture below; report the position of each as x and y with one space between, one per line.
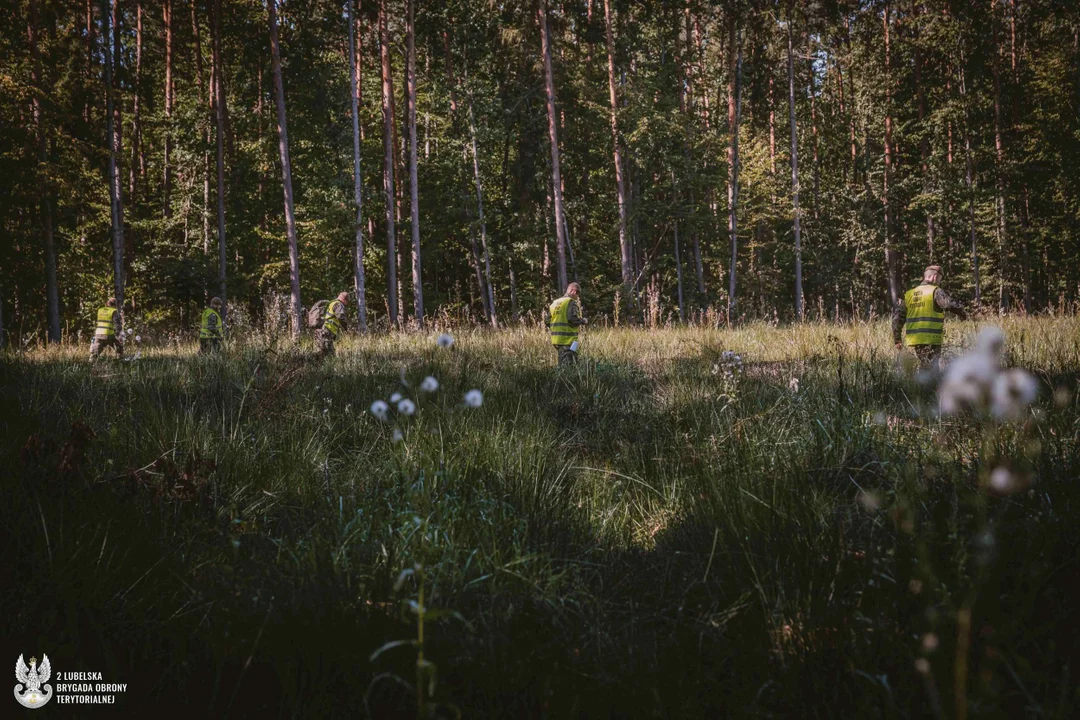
692 522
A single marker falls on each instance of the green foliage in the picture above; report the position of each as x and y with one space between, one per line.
673 67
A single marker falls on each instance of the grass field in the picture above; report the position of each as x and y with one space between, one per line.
656 532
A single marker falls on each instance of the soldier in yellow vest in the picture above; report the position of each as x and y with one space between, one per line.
107 331
211 328
563 320
920 316
333 324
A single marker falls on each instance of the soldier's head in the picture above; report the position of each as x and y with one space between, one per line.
573 290
216 303
111 302
343 296
932 274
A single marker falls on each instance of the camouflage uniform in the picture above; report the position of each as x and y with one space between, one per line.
325 337
108 332
929 355
573 316
98 344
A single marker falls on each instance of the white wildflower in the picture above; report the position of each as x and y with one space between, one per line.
1003 481
474 398
923 666
398 436
930 642
967 382
1013 391
793 384
395 398
406 406
129 331
868 501
430 384
380 409
445 340
138 338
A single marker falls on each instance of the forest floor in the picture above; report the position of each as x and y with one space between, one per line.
662 530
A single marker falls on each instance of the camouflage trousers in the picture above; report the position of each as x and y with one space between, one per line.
324 341
929 357
98 344
209 345
566 355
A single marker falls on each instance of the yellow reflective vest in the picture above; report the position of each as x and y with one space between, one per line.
330 319
106 322
211 327
925 324
562 332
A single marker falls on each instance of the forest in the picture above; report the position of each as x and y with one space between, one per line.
730 491
685 161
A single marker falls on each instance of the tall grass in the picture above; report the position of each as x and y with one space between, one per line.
647 533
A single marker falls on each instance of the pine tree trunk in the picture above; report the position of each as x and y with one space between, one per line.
52 294
678 258
814 132
620 181
969 182
513 291
890 259
486 286
734 113
772 128
414 203
219 102
388 164
90 54
924 142
851 103
800 311
113 131
169 100
358 252
209 120
1025 220
999 168
136 129
553 138
286 172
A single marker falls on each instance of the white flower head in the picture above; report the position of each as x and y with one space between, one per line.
967 382
430 384
138 338
793 385
380 410
398 436
1003 482
1013 391
129 331
445 340
474 398
395 398
406 406
991 340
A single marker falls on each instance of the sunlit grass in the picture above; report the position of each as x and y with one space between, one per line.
610 534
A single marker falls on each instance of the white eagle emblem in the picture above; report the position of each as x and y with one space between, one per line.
33 678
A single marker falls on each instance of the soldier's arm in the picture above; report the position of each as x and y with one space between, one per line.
899 314
573 314
341 316
947 304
